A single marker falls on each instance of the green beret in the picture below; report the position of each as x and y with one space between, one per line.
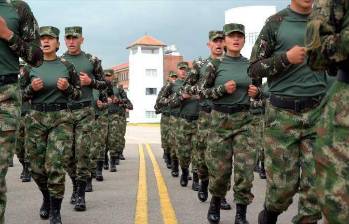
233 27
75 31
172 74
183 64
214 34
49 31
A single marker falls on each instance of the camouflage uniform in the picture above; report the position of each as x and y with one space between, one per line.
295 92
25 44
327 39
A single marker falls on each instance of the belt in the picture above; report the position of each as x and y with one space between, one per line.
343 76
77 106
175 114
8 79
49 107
206 109
230 109
295 104
189 117
166 114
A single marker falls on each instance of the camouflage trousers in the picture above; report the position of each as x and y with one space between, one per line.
21 151
289 162
49 136
164 130
99 139
257 129
203 130
332 155
228 139
172 136
186 143
9 116
122 141
116 134
77 159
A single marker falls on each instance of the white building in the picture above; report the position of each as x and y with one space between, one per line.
253 17
146 62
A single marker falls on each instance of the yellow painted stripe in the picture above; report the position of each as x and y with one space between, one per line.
168 213
141 216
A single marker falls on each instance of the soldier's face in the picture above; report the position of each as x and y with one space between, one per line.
49 44
74 44
234 42
303 4
181 73
216 46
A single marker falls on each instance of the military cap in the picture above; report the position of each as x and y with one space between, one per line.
214 34
233 27
108 72
75 31
172 74
182 64
49 31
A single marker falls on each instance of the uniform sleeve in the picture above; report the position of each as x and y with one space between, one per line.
27 44
98 82
157 106
25 84
125 101
207 88
165 98
264 63
74 89
190 86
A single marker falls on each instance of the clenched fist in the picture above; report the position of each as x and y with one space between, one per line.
37 84
230 86
62 84
296 55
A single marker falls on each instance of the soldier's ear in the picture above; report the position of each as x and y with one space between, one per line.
82 40
58 44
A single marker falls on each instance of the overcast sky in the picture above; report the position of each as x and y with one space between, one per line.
109 26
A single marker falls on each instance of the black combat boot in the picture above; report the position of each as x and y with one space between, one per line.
262 173
214 215
256 167
203 192
45 206
74 194
89 185
106 161
174 168
99 171
184 177
93 174
22 173
117 159
122 157
240 217
268 217
168 160
26 173
225 205
80 204
55 210
195 185
113 164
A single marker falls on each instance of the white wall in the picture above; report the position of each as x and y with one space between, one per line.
138 82
253 17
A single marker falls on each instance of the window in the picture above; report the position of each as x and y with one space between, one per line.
150 91
150 114
151 73
148 50
252 37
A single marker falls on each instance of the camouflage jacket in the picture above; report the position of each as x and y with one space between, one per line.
167 94
327 36
73 91
195 79
158 108
125 102
207 88
27 44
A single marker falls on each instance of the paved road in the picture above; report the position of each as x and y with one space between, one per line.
131 195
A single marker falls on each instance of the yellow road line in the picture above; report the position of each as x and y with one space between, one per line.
141 216
168 213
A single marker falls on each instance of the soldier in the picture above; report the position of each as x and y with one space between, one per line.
91 77
100 128
295 92
327 43
116 134
164 122
19 37
48 125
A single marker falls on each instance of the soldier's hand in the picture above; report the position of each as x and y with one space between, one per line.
230 86
100 104
109 100
62 84
186 96
296 55
5 32
252 91
116 100
37 84
85 80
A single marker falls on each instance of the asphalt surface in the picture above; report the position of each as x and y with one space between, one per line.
114 201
